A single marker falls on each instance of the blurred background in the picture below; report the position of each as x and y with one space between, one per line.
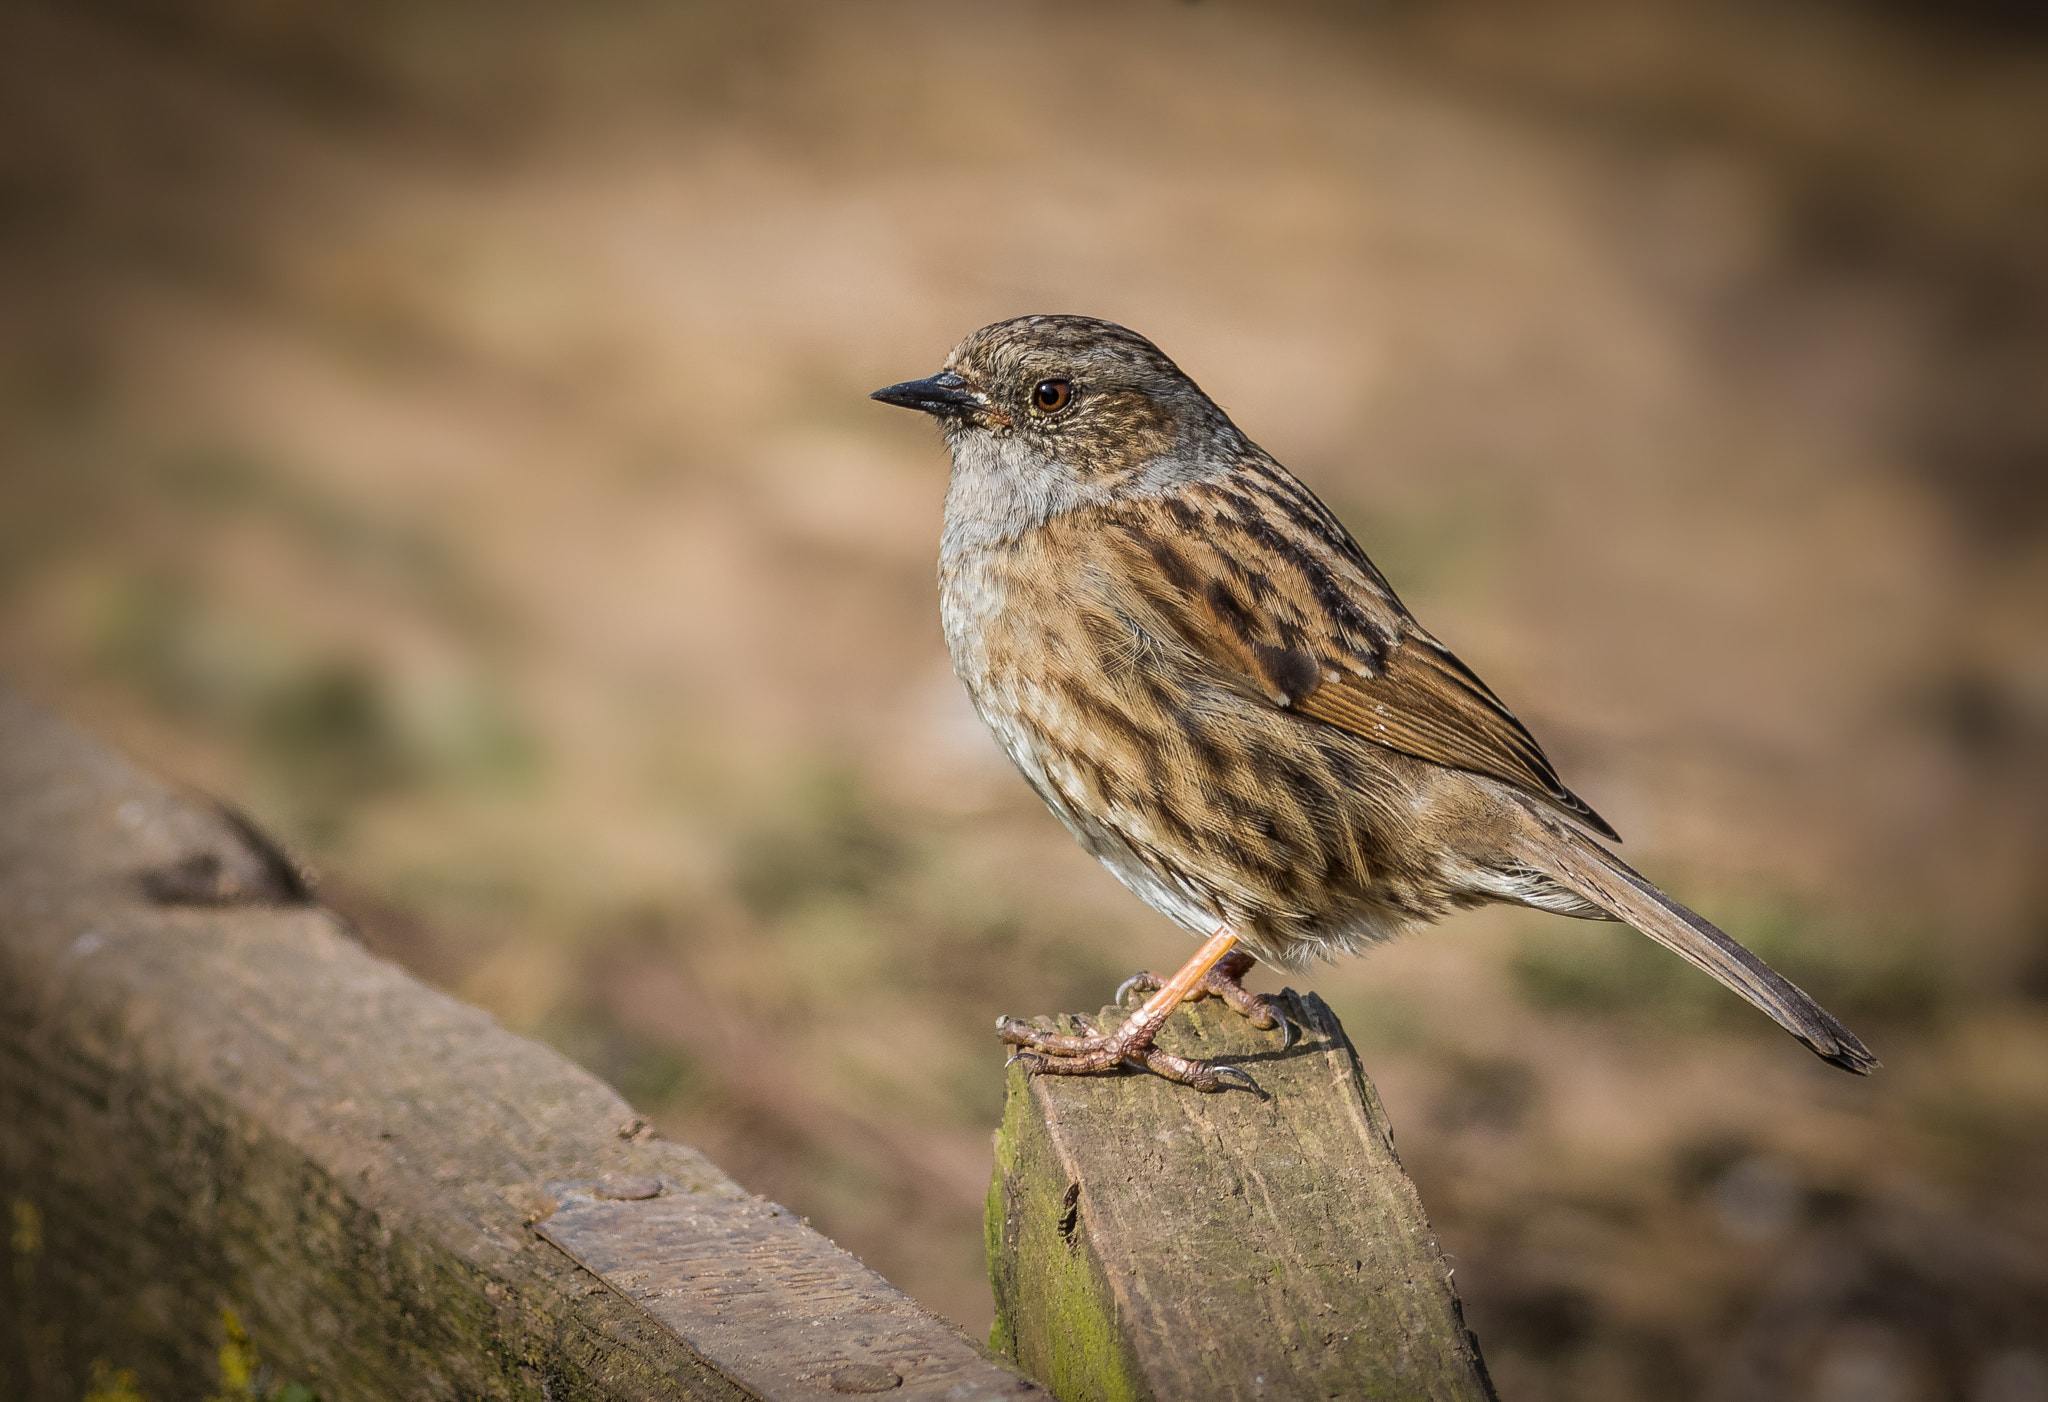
440 429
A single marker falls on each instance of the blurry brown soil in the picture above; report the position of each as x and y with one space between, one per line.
441 429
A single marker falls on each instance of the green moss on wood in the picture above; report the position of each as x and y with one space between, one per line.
1056 1315
243 1376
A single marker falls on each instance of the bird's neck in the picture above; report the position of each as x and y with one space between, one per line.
1002 489
998 492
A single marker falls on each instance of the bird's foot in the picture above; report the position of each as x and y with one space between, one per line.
1091 1053
1226 981
1045 1053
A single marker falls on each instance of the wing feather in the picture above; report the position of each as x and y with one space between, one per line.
1267 586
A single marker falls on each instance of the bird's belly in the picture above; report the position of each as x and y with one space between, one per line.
1024 709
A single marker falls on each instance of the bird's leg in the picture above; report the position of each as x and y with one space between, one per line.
1225 981
1052 1053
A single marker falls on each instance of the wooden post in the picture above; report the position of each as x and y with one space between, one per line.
241 1157
1148 1241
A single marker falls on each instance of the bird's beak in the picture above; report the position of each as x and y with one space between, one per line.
944 395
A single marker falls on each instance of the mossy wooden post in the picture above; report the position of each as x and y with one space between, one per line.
1147 1241
241 1157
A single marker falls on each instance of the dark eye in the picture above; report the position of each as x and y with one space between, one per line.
1051 396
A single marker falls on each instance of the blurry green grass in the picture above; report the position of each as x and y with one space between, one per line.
326 725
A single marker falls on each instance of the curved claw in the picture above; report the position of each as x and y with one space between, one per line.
1237 1075
1289 1033
1123 990
1030 1060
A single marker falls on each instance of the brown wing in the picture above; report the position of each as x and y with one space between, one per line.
1257 576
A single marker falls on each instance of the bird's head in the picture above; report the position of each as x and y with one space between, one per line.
1054 412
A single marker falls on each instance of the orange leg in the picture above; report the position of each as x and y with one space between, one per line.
1225 981
1052 1053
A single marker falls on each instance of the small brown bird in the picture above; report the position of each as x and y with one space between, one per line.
1209 683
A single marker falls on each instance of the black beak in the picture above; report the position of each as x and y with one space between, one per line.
944 394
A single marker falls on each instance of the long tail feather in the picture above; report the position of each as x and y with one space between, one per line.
1599 876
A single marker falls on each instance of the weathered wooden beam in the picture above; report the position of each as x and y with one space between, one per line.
232 1141
1146 1241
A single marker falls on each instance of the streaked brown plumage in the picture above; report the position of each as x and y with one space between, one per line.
1209 683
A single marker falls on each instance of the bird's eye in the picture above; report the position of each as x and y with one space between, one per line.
1051 396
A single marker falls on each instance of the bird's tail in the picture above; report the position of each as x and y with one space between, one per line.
1597 875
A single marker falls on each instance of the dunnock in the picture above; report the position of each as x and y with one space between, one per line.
1209 683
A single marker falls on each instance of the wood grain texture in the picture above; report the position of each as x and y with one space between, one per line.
745 1283
232 1108
1148 1242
